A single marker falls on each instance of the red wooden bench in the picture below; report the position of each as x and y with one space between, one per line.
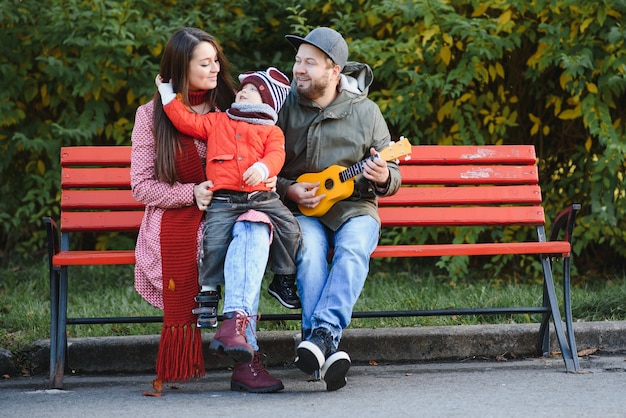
443 186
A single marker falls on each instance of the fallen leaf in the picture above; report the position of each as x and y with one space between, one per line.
151 394
408 374
501 357
373 363
587 352
6 376
157 385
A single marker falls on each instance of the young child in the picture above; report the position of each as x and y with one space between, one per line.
244 148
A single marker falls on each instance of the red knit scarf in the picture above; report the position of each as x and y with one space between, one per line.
180 349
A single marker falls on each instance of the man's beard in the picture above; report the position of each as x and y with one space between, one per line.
315 90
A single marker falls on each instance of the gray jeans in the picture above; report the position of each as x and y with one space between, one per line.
221 215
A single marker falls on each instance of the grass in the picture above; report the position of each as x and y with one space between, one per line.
108 291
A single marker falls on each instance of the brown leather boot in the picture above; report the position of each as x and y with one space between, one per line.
253 377
231 340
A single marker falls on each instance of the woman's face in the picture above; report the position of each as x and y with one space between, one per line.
203 67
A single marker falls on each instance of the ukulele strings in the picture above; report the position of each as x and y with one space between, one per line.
355 169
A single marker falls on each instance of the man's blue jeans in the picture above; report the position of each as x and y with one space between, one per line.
328 292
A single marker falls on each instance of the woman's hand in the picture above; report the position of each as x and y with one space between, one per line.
271 183
203 194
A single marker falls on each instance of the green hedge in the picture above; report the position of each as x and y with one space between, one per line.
548 73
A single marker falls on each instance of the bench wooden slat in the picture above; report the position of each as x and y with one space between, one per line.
100 199
461 216
433 196
471 154
89 258
423 154
469 174
95 178
75 258
101 221
95 155
560 248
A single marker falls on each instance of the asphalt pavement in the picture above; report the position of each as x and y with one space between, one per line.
536 387
451 371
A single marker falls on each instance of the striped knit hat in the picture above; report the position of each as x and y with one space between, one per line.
272 85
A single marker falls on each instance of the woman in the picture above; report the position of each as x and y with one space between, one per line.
167 175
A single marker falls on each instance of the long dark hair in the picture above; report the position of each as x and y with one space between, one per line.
175 67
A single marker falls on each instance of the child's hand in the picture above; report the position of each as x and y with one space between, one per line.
252 176
166 90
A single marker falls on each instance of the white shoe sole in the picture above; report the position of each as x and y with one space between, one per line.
309 357
335 369
283 302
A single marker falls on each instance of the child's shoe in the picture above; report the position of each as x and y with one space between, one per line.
207 308
283 288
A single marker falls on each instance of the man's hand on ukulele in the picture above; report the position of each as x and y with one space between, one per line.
375 169
304 194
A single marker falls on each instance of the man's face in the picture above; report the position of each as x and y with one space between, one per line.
312 72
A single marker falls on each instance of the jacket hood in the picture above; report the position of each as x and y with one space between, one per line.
356 78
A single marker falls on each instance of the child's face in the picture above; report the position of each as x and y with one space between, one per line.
248 94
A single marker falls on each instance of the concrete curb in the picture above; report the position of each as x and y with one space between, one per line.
137 354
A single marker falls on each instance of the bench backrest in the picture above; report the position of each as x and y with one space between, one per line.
442 185
466 185
96 195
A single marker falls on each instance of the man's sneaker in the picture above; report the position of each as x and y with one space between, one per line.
311 354
335 369
283 288
207 308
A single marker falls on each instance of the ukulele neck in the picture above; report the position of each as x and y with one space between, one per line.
354 169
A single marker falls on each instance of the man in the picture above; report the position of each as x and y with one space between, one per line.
328 120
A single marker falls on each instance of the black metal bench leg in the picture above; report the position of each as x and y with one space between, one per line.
54 323
567 306
543 338
571 364
60 344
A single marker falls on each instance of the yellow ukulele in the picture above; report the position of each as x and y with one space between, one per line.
337 182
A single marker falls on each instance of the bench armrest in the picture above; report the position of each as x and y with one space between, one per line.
52 234
565 221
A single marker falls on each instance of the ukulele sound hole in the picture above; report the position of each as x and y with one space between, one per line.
328 184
